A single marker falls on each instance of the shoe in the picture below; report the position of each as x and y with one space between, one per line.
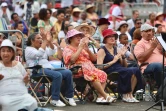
57 103
98 100
71 102
128 100
102 101
135 100
111 99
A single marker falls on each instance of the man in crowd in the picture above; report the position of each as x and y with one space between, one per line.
137 24
16 19
130 22
148 50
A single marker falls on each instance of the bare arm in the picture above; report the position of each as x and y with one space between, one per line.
91 55
100 58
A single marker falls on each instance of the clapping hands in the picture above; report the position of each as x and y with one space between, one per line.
122 51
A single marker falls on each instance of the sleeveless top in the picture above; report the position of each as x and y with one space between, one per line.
109 57
110 12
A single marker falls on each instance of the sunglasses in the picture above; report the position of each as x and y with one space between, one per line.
139 23
125 26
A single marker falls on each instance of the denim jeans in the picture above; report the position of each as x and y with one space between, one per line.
57 77
155 69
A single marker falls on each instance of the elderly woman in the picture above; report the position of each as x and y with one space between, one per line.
88 31
13 78
129 78
76 53
39 49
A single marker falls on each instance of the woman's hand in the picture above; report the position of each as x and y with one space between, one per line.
122 50
27 78
1 76
117 57
43 33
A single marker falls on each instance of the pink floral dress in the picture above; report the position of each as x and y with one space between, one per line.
90 72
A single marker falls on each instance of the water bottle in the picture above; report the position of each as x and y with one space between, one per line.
147 92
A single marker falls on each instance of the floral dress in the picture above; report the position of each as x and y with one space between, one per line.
90 72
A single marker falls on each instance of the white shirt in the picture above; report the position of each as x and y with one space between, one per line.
116 11
32 53
128 35
130 22
12 83
61 35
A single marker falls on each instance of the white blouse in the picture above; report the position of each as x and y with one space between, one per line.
32 53
12 83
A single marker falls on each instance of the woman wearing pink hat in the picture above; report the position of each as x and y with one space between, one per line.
129 78
76 53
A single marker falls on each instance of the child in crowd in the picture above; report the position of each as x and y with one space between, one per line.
123 39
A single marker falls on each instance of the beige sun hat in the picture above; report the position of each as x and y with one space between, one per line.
89 6
91 29
76 10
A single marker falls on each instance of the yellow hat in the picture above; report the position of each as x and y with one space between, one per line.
89 6
76 10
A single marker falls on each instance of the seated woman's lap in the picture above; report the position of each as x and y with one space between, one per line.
55 74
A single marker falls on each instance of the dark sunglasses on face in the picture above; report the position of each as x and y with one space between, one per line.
125 26
139 23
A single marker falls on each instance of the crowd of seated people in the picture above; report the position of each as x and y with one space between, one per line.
72 41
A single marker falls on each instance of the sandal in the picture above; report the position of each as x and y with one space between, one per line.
111 99
102 101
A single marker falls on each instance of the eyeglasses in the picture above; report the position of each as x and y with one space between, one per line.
139 23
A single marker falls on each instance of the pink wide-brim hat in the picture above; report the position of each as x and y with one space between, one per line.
72 33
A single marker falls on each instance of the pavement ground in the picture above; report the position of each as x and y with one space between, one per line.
118 106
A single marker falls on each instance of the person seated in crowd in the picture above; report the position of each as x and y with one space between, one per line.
33 22
152 18
146 51
75 14
88 31
16 19
84 19
58 23
18 35
123 39
136 36
160 20
158 29
103 24
129 78
91 14
130 22
116 14
40 47
78 53
2 37
13 80
123 29
137 24
5 13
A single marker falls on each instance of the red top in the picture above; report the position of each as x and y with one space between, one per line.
110 12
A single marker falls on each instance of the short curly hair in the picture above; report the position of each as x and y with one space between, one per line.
43 13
